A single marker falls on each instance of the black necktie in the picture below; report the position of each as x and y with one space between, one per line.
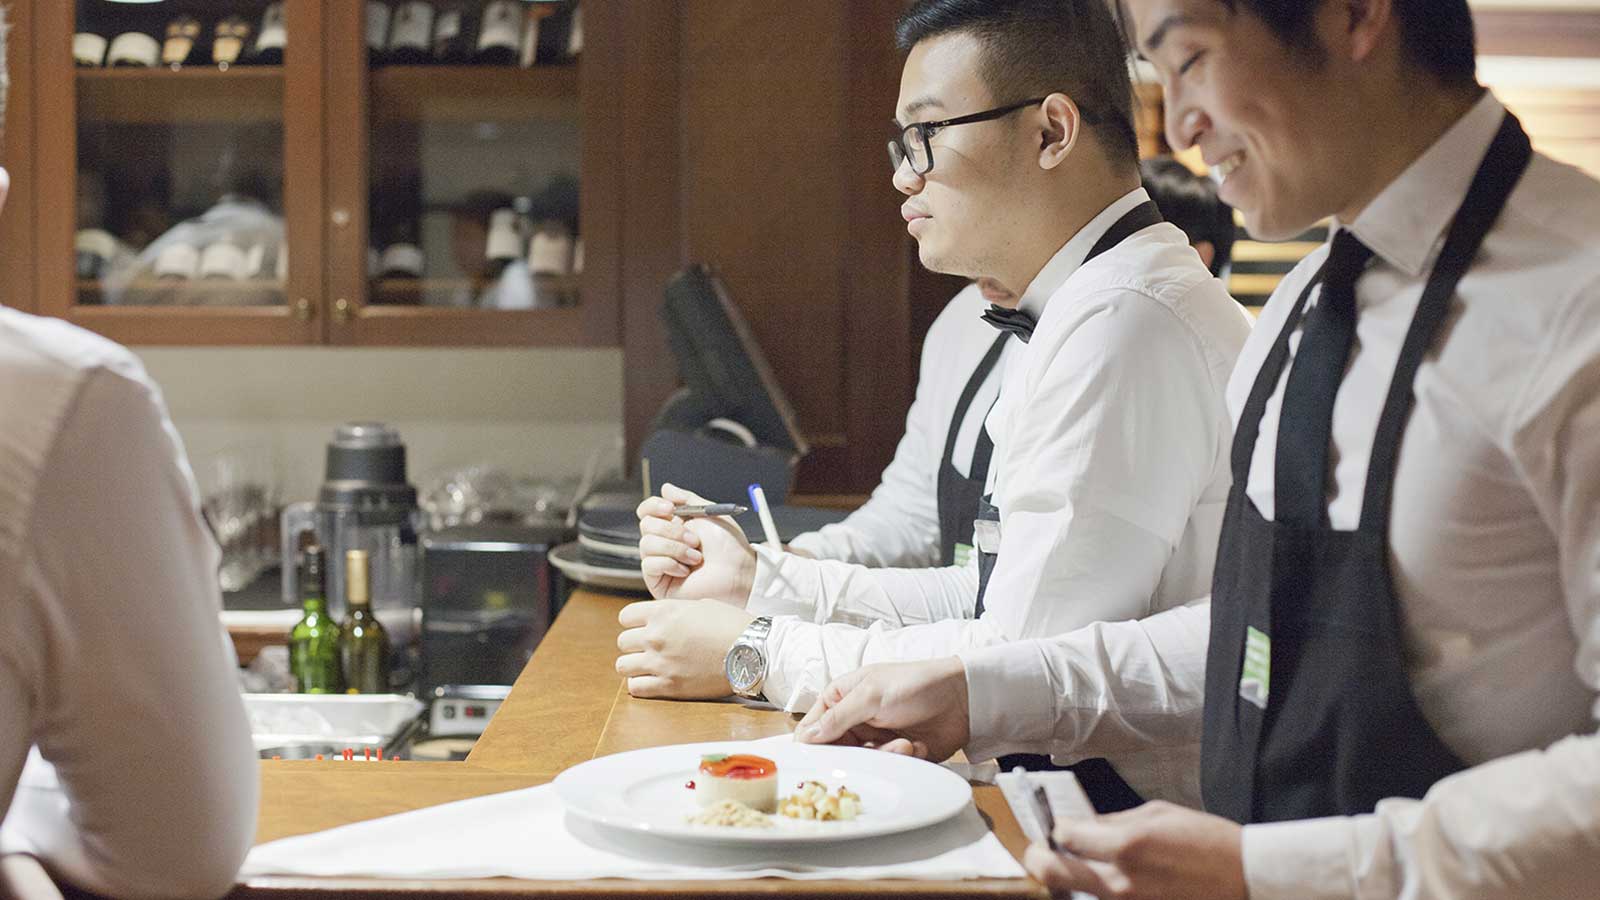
1015 321
1305 424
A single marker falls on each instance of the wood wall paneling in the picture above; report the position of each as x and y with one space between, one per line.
779 113
651 238
881 378
18 233
1538 32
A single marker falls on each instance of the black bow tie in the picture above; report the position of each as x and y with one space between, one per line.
1014 321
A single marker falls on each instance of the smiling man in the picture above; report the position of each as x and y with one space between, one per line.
1396 678
1014 148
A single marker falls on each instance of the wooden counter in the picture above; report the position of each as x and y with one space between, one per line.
567 706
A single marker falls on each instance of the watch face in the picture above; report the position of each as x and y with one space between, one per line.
745 667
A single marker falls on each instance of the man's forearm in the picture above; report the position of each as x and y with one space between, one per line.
1522 827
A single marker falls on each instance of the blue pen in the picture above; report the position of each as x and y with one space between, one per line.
758 499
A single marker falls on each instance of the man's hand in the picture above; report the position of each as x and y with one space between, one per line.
1157 850
702 558
675 648
919 709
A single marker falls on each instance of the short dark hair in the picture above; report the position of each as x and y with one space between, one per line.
1437 35
1037 47
1190 202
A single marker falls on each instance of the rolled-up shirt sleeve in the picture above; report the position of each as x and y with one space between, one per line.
826 590
1097 691
124 680
1521 827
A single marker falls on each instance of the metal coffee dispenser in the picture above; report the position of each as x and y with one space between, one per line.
364 504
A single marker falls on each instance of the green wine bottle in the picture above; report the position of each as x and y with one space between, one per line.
314 640
363 645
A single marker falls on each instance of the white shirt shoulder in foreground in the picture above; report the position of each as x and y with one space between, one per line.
112 660
899 524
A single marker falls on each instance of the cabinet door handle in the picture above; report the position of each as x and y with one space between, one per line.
341 309
303 310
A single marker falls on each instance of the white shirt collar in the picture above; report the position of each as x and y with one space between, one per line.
1406 222
1072 254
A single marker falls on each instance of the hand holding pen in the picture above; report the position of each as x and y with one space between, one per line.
692 548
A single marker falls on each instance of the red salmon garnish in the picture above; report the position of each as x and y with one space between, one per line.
739 765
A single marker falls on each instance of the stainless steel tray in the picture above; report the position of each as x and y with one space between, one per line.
279 722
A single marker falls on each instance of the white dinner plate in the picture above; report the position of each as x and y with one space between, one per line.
566 558
645 791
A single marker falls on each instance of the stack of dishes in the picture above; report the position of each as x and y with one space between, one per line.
609 538
606 553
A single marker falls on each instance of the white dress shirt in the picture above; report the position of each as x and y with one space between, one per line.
1494 548
899 524
1110 470
112 659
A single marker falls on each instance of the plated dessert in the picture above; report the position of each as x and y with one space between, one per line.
741 791
742 778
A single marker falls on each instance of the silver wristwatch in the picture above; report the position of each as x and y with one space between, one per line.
746 662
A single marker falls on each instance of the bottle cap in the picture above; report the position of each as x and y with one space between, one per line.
377 25
223 259
88 49
133 48
356 579
182 34
274 36
177 260
401 259
231 36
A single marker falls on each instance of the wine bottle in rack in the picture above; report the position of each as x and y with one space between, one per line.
88 50
402 255
232 36
503 246
452 41
182 44
500 34
575 33
272 37
133 49
411 33
377 31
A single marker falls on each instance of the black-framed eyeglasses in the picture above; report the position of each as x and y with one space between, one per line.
911 143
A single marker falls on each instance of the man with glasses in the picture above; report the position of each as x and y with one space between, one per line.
1398 674
1014 147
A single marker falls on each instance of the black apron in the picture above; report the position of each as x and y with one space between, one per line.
1106 789
959 495
1305 620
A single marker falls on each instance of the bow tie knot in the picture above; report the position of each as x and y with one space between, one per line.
1013 321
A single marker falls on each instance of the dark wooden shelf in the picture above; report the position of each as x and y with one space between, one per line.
474 93
192 293
191 94
416 292
390 324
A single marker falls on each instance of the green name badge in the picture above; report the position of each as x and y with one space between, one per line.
1256 678
963 554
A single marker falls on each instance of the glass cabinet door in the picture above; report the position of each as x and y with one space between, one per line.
465 225
190 171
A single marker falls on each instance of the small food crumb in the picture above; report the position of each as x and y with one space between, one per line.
730 814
